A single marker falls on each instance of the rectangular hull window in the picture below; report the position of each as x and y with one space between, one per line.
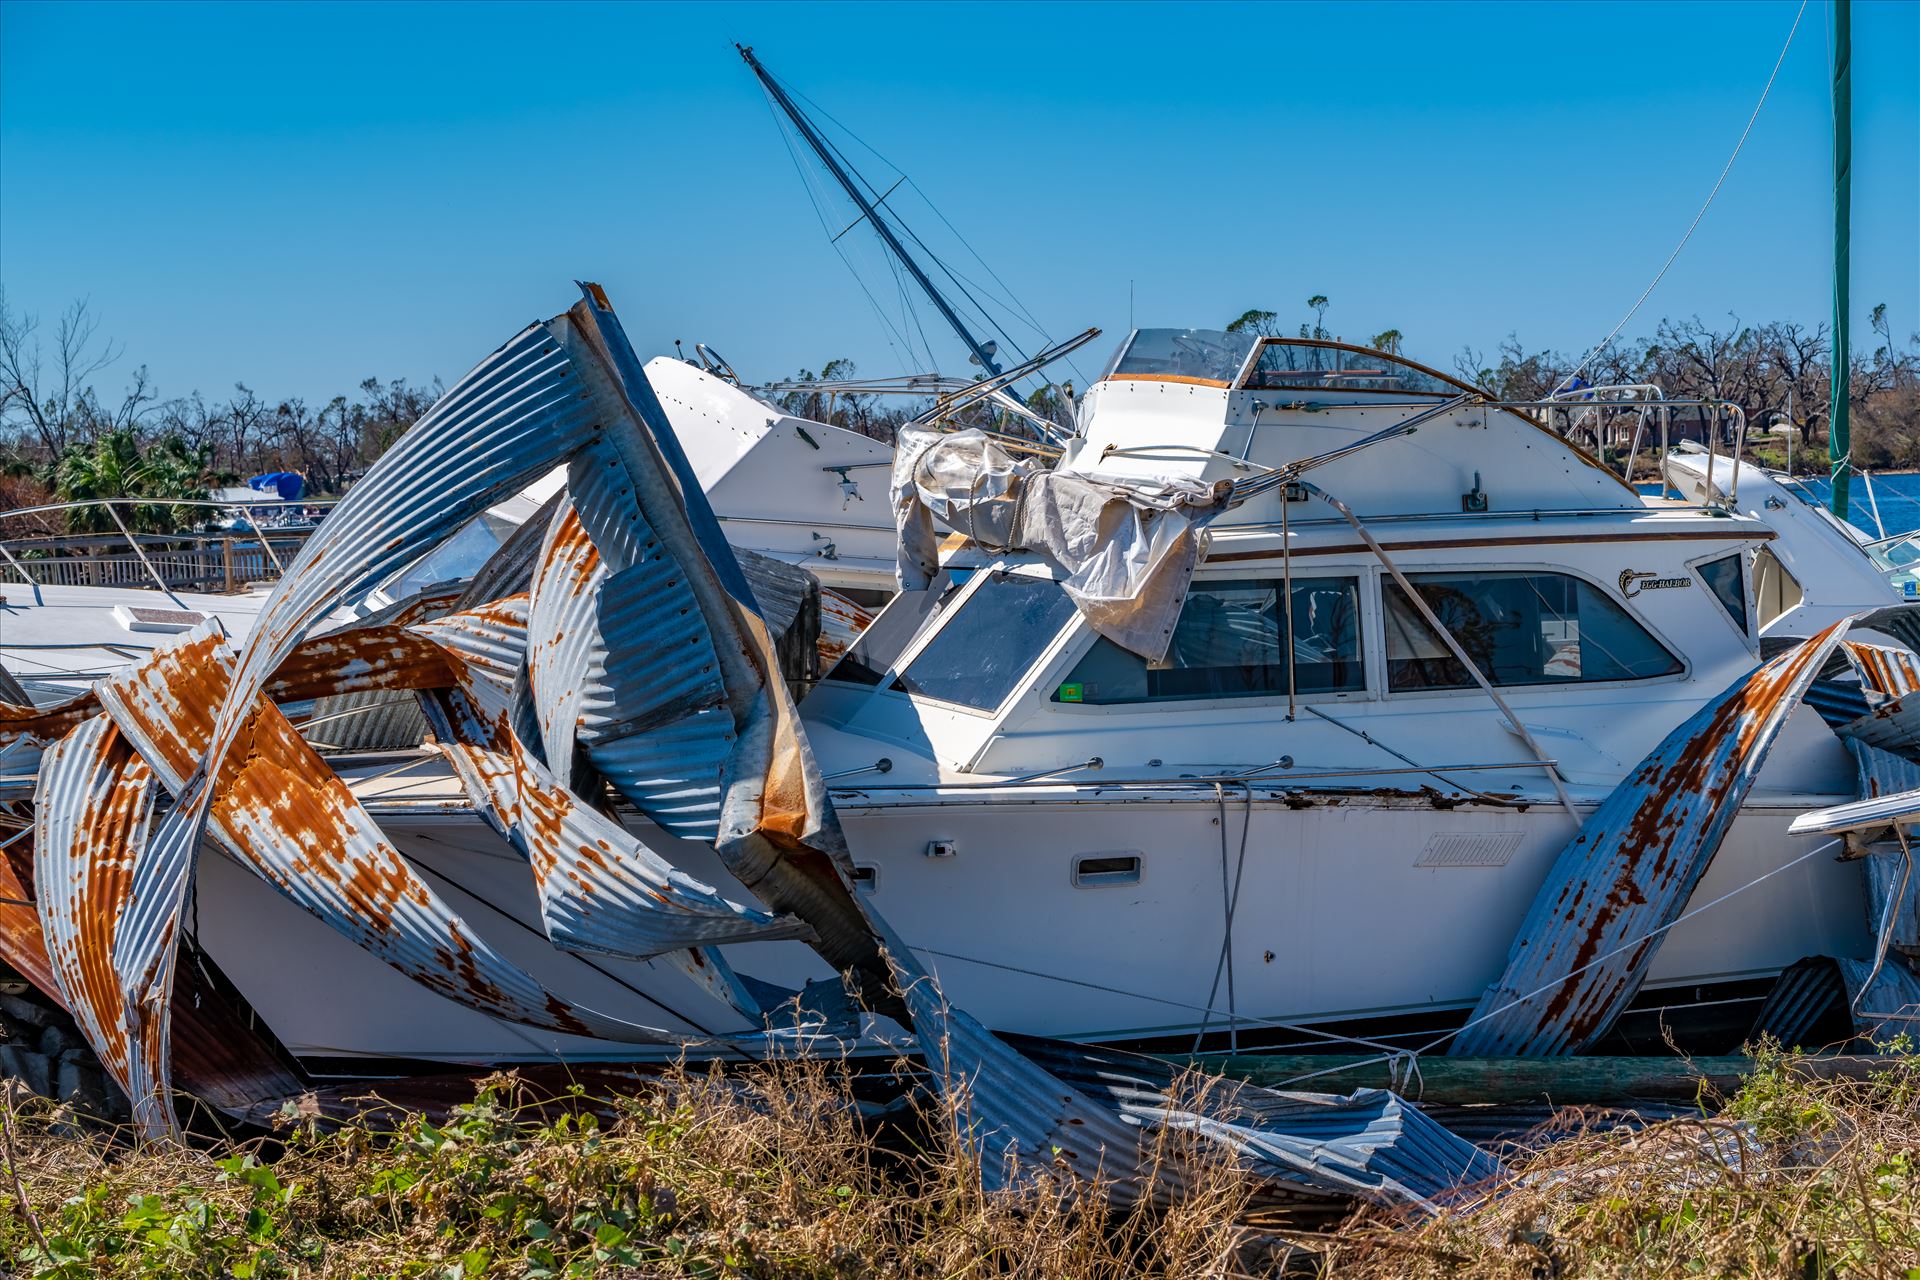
1095 869
1519 629
1230 642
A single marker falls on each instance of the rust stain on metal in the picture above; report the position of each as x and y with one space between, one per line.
1893 672
1586 943
279 809
90 819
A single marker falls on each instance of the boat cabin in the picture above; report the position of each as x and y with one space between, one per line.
1602 621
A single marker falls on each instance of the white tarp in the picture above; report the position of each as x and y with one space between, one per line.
1128 548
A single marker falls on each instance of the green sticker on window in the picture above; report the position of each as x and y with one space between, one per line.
1072 693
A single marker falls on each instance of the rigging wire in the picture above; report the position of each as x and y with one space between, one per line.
1694 225
1010 301
806 185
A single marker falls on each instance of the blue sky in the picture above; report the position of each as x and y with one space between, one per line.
300 196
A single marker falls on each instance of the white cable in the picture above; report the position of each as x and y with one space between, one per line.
1626 946
1648 292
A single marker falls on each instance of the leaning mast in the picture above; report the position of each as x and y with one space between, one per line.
868 210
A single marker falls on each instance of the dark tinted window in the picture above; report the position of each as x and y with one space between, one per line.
983 650
1724 578
1230 642
1519 628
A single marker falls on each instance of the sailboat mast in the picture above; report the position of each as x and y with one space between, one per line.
867 209
1839 435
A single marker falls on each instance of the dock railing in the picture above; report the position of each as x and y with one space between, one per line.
210 560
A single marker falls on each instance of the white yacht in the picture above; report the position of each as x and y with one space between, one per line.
1307 817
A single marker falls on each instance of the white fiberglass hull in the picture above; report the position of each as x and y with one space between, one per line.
1364 908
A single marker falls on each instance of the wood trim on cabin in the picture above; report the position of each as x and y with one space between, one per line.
1449 544
1167 377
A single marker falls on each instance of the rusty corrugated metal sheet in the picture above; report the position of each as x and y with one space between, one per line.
90 825
278 809
508 421
841 623
609 656
1890 682
1019 1118
1370 1145
1894 672
18 721
1029 1105
1585 945
777 831
22 944
601 889
489 642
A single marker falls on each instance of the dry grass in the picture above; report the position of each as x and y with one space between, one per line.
773 1171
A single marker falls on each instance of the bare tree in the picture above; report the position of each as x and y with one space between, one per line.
51 396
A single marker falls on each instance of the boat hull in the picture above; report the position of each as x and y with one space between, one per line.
1350 909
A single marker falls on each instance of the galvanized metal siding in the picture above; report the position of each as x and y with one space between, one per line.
1372 1145
601 888
91 812
278 809
1893 881
508 421
1586 943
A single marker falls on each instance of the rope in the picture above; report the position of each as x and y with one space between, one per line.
1894 902
1388 1058
1230 902
1692 226
1626 946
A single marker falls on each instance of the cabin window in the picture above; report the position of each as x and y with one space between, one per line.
981 652
1727 579
1230 642
1519 628
896 627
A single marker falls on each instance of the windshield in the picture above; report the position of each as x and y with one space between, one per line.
1287 363
1209 355
981 652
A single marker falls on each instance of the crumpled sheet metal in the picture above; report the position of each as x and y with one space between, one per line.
1018 1118
91 815
612 655
1883 669
1893 883
1032 1105
505 423
636 494
1371 1145
23 943
278 809
1587 941
841 623
601 888
1128 549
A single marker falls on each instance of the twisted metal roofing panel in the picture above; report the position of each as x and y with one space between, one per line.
508 421
1586 943
280 810
1371 1145
91 812
601 888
